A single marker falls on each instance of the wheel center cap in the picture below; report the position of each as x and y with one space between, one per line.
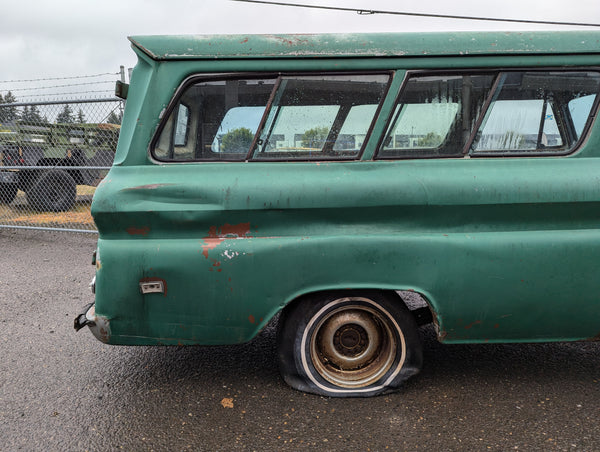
351 340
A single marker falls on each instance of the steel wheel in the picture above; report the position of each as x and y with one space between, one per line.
353 346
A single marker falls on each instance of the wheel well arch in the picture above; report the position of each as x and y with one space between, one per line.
419 304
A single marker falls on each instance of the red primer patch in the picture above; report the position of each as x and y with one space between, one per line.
138 231
216 235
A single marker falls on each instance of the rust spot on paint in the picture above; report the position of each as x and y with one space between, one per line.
138 231
104 335
497 325
216 235
472 324
291 41
251 318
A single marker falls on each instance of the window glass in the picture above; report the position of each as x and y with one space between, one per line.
320 117
353 132
435 115
515 125
182 125
579 109
537 112
214 120
237 130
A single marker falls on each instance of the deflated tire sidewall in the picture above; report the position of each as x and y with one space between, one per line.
300 321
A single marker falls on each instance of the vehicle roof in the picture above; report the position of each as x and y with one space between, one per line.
366 45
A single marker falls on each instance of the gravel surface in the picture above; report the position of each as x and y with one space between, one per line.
62 391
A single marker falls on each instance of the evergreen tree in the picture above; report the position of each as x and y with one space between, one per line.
25 115
31 115
114 118
66 115
80 117
7 112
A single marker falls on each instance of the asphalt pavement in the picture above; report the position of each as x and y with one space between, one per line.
65 391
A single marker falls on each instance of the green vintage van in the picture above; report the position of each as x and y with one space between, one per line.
319 177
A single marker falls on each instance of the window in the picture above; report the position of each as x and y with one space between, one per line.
320 117
309 117
435 115
214 120
537 112
507 113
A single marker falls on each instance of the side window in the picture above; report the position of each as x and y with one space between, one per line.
537 112
310 117
214 120
320 117
502 113
435 115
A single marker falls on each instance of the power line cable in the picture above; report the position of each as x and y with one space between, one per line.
405 13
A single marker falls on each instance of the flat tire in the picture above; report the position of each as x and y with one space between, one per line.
348 343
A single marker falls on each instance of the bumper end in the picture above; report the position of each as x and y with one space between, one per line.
99 325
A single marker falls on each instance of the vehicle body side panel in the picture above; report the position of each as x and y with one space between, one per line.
503 250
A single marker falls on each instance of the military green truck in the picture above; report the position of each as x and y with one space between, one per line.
48 161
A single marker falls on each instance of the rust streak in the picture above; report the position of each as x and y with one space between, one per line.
472 324
251 318
138 231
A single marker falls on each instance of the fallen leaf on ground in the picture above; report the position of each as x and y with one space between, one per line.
227 403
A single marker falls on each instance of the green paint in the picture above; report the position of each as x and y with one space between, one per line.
503 249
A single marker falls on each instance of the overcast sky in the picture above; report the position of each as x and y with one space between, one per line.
43 39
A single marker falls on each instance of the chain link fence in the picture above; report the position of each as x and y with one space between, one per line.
52 157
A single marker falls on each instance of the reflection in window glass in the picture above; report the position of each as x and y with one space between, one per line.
237 130
299 128
320 117
515 124
353 133
579 110
214 120
423 125
537 111
435 115
182 125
